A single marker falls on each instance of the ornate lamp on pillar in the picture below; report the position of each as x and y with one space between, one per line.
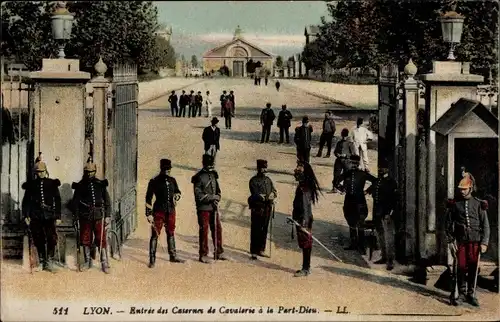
452 25
62 21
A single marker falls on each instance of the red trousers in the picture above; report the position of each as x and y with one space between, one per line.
92 228
206 220
305 240
467 257
167 221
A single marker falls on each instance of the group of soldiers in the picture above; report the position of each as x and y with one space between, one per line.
195 103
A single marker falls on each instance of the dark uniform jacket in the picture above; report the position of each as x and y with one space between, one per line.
260 184
192 100
354 184
206 187
91 199
184 100
198 100
267 116
467 221
343 151
42 199
385 196
302 206
303 137
163 187
172 99
211 137
284 118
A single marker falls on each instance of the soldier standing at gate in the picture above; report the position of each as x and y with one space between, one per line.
343 151
302 139
468 233
355 207
162 214
207 195
93 211
260 202
306 195
41 208
385 197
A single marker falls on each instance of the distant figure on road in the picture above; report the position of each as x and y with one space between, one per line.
231 97
222 100
327 135
302 140
360 136
267 117
172 99
183 102
228 112
199 104
208 105
284 123
192 104
277 84
265 80
211 137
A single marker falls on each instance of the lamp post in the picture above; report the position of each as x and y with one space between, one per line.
62 21
452 25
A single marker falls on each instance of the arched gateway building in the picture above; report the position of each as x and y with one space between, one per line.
235 54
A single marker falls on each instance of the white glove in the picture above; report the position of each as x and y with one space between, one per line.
27 221
107 221
150 219
263 196
272 196
58 221
177 197
216 198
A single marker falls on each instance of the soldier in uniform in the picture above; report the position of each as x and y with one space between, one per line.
93 210
166 192
41 208
385 196
302 140
266 120
343 151
260 202
306 195
207 195
355 207
468 233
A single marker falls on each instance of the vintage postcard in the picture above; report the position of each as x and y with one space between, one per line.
249 160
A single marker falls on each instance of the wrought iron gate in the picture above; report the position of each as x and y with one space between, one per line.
123 125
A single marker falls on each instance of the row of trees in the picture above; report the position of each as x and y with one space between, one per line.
118 31
373 32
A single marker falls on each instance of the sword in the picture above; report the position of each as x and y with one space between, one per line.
158 237
477 271
30 244
271 233
78 246
292 221
216 205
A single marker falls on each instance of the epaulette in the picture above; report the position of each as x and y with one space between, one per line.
104 182
25 185
57 182
450 203
484 203
194 178
74 185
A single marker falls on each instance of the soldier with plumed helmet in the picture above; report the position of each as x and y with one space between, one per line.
41 209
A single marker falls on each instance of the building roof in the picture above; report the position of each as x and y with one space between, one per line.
234 40
311 30
459 111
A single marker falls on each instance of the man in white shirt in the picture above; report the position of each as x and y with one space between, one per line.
360 135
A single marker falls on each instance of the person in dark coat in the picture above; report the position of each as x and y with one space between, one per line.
284 123
355 207
385 197
198 104
222 100
233 101
183 102
192 104
306 195
467 233
267 117
260 202
343 151
228 112
172 99
302 139
211 137
93 210
207 195
327 135
162 213
277 84
41 209
265 80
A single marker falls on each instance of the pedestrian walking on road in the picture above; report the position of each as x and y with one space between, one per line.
211 137
162 213
355 207
183 102
306 195
267 117
208 105
260 203
284 123
467 233
302 139
327 135
172 99
385 196
277 84
343 151
360 137
266 80
207 195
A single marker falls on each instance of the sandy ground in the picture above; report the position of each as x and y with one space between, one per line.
267 282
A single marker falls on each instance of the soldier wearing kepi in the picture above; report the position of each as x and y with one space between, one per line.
355 207
166 192
41 208
468 233
260 202
306 195
93 210
207 195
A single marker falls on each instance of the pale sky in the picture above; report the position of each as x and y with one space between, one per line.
275 26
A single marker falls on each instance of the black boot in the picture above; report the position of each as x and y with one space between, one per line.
153 242
172 251
87 258
353 234
306 261
104 261
361 241
42 254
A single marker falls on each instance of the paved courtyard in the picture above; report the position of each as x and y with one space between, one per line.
267 282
